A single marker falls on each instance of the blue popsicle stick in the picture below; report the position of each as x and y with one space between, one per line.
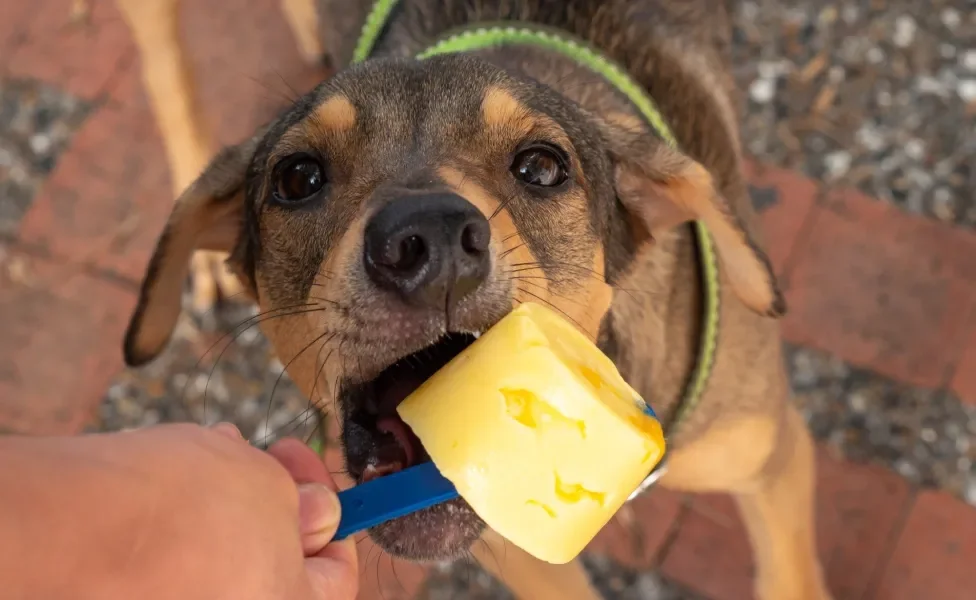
392 496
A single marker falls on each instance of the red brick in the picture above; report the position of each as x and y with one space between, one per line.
110 193
80 57
108 196
246 62
859 508
14 18
933 557
711 554
61 344
882 289
784 200
964 380
638 532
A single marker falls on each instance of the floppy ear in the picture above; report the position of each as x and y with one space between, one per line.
662 188
207 216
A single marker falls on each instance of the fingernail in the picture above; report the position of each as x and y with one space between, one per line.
318 508
227 429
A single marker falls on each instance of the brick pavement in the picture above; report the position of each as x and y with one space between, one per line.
881 289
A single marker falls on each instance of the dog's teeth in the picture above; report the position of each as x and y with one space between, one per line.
476 334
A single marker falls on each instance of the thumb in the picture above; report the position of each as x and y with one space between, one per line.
334 572
318 512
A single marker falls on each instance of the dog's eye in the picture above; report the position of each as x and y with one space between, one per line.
539 166
299 178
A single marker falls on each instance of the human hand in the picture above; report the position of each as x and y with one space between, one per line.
183 511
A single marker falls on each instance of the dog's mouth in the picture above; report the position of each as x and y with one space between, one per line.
378 443
373 408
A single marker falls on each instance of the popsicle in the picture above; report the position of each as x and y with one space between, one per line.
534 427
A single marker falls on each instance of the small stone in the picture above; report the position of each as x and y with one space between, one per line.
749 10
928 435
905 28
762 91
907 470
969 492
875 55
40 143
967 90
915 149
943 204
926 84
947 51
951 18
968 60
870 138
836 74
850 13
837 163
859 403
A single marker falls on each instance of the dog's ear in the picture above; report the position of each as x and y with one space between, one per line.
661 188
207 216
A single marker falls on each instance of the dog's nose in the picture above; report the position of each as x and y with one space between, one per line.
431 249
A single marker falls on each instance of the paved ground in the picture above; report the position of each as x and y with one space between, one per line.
860 117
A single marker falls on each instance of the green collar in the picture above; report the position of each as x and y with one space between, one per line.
480 37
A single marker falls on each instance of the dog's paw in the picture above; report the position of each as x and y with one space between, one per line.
211 281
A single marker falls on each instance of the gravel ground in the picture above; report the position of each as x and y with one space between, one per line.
875 94
929 437
218 368
470 582
36 122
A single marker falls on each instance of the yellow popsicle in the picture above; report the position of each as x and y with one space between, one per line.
538 431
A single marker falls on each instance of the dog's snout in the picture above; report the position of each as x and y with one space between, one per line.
431 249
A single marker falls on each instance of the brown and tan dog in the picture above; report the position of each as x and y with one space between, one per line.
403 206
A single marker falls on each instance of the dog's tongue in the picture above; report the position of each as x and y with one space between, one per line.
399 448
403 437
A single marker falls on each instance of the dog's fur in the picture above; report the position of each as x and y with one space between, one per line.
611 248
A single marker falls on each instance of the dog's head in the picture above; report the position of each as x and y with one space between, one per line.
402 208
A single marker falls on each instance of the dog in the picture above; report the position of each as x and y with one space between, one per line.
404 206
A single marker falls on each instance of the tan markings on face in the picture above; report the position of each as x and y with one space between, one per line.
319 364
509 121
501 110
333 119
593 300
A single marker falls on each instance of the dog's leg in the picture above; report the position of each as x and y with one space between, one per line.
779 517
303 20
529 578
168 81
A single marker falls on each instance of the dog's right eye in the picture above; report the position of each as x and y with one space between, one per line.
298 178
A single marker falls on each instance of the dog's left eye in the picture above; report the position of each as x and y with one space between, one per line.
540 167
298 178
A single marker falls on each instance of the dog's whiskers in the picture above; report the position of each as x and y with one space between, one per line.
250 322
274 388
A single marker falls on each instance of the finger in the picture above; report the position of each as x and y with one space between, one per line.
304 465
318 513
228 429
334 572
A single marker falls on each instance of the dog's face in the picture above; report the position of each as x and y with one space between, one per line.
404 207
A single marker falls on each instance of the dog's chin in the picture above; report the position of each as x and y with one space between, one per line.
439 533
378 443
